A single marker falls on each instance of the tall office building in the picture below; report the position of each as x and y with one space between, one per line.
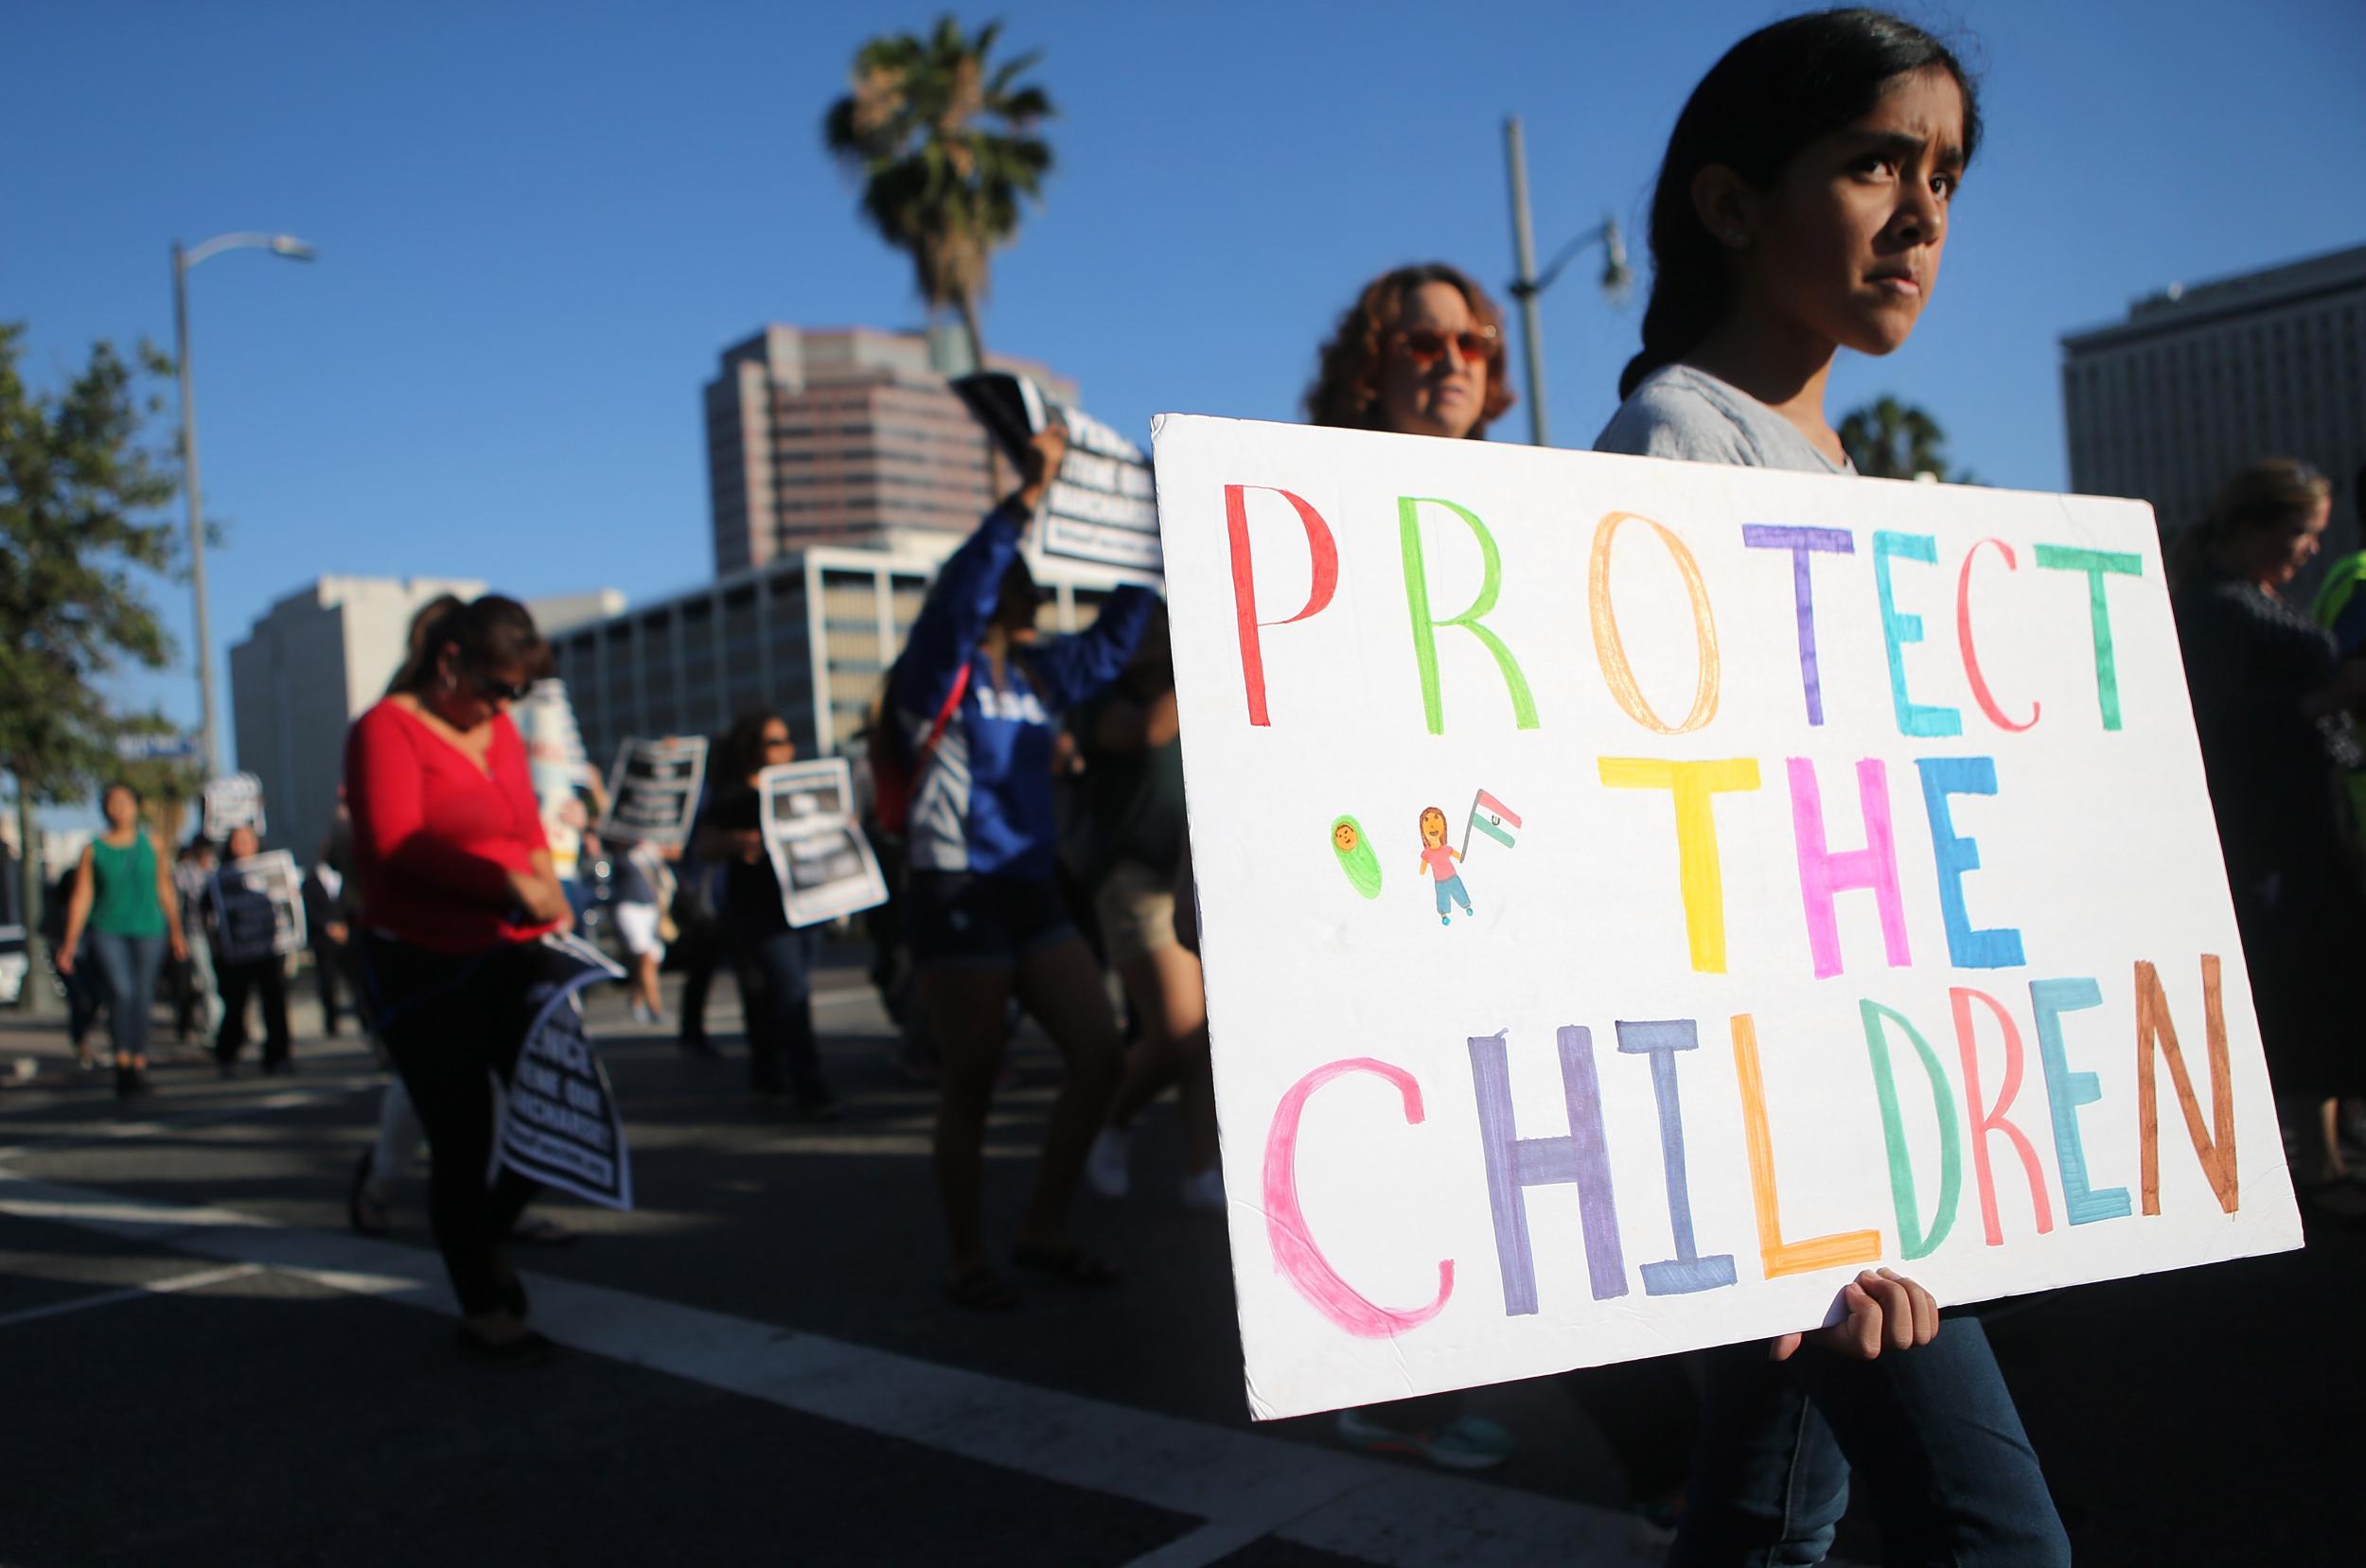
315 661
2198 381
845 436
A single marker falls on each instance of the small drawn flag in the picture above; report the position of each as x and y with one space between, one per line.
1492 818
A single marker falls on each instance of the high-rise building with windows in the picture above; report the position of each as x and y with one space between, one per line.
843 435
2198 381
809 635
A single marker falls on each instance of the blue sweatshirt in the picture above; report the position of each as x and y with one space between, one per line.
984 801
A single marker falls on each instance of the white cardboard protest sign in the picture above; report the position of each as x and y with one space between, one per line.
233 801
556 765
816 844
653 789
1822 878
259 907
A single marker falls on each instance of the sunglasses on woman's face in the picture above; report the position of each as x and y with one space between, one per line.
776 740
1425 347
501 691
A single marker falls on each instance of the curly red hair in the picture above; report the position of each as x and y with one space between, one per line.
1346 388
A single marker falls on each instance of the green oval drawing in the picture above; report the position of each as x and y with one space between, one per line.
1354 847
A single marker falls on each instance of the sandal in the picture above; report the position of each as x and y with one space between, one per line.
1069 1264
981 1289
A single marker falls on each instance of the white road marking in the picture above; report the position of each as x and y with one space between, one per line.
58 1136
136 1293
1246 1486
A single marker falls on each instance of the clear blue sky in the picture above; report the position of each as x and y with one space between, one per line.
539 224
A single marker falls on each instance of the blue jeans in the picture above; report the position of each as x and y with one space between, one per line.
775 973
1451 887
1932 1431
130 966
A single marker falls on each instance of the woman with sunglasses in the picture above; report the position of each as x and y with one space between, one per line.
771 963
976 700
456 887
1419 353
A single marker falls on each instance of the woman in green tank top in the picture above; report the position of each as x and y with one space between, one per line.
124 900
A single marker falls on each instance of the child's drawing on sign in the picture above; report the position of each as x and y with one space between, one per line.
1492 818
1437 858
1355 856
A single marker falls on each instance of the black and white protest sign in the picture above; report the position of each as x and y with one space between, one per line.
259 907
559 1119
1102 507
819 852
653 789
234 801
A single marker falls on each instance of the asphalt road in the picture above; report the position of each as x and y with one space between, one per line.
199 1364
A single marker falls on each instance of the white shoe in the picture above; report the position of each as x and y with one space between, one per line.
1108 1166
1204 1190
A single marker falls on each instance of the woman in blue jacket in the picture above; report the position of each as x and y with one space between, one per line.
977 699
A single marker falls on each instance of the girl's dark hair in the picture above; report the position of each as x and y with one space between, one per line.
1774 93
1346 393
490 632
2278 493
743 742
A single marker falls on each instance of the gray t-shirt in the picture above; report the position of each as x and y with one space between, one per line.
1692 416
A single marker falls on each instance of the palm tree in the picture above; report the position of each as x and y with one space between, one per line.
944 140
1887 439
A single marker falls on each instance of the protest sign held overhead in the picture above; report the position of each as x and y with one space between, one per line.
653 789
558 1121
233 801
259 907
818 851
1101 507
1750 878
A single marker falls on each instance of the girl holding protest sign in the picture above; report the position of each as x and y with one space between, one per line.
1802 209
234 905
771 962
980 696
123 895
457 888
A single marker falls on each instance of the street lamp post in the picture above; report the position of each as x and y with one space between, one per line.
278 244
1530 284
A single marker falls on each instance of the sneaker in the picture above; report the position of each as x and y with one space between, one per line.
1467 1442
1203 1191
1108 1166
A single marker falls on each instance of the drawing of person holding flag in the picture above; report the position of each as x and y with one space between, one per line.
1437 858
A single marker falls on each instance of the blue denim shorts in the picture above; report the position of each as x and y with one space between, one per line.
963 920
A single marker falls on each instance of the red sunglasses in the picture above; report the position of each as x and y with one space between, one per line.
1425 346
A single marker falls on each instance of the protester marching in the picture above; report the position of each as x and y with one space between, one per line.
1689 934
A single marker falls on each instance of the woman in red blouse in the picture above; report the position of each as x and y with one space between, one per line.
457 885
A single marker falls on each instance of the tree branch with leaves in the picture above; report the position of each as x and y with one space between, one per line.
944 140
79 494
1887 439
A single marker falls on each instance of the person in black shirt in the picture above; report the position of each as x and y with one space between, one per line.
2273 708
772 963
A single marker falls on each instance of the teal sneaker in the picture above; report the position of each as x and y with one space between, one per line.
1467 1442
